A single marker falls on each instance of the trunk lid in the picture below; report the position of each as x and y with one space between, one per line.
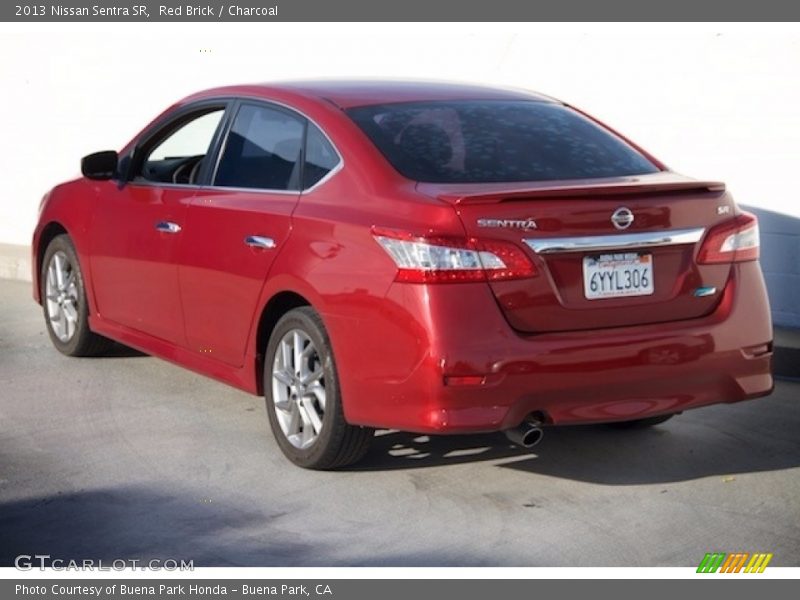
585 261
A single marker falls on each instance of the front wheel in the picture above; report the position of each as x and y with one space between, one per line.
304 403
66 309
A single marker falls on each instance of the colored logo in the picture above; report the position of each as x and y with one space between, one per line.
737 562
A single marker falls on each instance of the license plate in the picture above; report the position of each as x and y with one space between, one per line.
617 275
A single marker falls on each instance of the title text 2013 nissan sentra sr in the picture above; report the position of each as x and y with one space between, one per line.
424 257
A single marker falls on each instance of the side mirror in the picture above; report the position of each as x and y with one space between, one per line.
100 165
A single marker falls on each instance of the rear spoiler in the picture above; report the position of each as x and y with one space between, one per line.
580 190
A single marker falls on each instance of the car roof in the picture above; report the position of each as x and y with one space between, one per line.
351 93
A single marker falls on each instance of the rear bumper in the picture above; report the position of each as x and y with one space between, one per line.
446 361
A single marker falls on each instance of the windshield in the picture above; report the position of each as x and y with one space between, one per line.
495 141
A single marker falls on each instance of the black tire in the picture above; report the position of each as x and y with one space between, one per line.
641 423
337 443
83 342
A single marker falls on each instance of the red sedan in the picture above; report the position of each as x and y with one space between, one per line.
424 257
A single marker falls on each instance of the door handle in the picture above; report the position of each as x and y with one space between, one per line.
167 227
257 241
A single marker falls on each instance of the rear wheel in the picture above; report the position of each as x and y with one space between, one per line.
304 403
66 310
642 423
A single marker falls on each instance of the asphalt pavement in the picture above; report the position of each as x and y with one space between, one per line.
132 457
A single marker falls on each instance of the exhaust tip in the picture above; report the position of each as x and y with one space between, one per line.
526 435
532 437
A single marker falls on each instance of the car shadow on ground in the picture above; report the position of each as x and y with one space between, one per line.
136 522
117 350
141 523
400 450
675 451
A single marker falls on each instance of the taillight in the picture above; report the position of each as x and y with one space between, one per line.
433 259
732 241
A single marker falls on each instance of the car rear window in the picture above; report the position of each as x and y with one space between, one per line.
495 141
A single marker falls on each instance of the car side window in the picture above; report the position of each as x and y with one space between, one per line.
263 150
178 157
321 157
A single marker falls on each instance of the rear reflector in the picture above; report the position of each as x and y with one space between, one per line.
735 240
433 259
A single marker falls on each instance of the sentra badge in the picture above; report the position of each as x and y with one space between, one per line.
524 224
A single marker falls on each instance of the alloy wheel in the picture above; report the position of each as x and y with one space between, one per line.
298 388
61 295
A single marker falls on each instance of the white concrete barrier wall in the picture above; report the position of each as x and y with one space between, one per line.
712 101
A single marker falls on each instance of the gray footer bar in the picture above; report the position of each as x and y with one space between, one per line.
732 586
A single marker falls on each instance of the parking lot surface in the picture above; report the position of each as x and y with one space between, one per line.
132 457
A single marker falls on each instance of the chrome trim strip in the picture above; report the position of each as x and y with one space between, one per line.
142 183
233 188
229 188
621 241
257 241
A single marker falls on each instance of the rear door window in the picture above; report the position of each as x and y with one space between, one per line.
263 150
496 141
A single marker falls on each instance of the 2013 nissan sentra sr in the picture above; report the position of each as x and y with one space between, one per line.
424 257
